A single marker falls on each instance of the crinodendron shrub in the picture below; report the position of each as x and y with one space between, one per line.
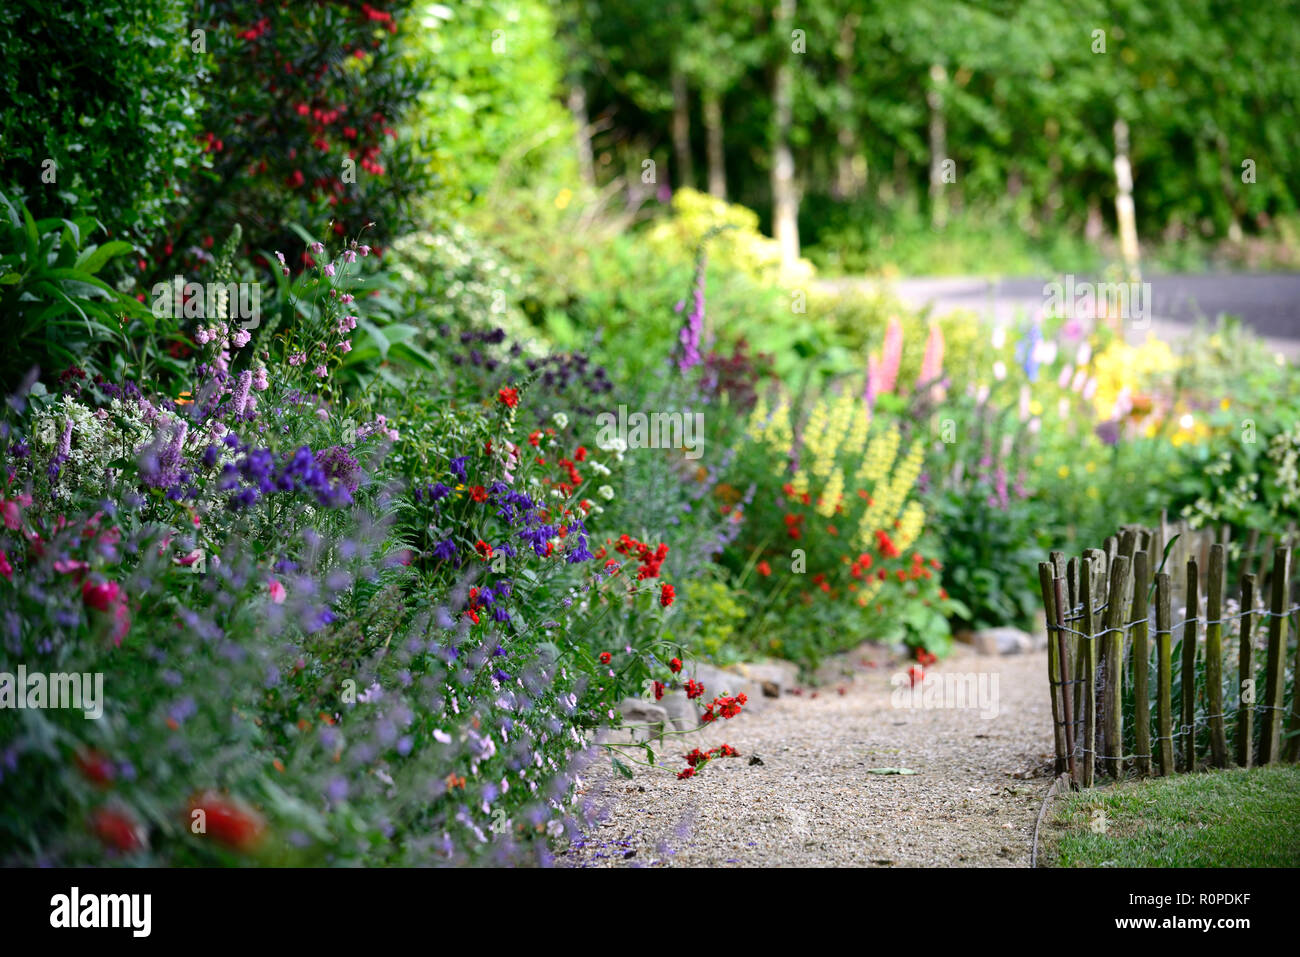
839 560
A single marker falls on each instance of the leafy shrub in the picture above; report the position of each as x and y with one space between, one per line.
58 311
302 125
107 93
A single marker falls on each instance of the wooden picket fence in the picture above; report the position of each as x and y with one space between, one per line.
1101 641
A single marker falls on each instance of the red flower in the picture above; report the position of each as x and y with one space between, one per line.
118 829
675 665
659 690
100 597
228 820
763 568
666 595
916 673
478 493
95 765
581 454
484 550
605 657
508 397
535 438
687 773
694 689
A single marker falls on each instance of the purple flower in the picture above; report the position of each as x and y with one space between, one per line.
458 469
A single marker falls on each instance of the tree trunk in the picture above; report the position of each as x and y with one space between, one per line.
785 195
713 141
582 134
682 129
1125 216
850 166
938 147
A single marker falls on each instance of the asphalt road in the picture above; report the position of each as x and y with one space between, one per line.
1267 303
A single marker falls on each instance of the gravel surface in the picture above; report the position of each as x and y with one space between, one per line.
973 800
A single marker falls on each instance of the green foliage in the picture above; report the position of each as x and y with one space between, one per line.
487 116
58 311
106 92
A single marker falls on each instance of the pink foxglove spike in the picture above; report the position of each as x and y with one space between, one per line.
890 356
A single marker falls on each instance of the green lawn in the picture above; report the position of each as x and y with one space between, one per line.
1217 819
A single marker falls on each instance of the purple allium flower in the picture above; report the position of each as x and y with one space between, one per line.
340 467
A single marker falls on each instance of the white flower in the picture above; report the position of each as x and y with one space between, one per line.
561 420
606 493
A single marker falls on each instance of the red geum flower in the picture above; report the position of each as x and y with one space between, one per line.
484 550
666 595
916 673
659 690
687 773
228 820
763 568
508 397
675 665
694 689
118 828
605 657
478 493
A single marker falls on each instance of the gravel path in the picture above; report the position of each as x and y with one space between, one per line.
812 800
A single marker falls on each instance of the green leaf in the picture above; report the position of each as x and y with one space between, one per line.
622 769
94 258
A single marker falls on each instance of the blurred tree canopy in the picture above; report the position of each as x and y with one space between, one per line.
1022 97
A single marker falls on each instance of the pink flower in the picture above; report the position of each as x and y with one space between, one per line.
317 247
101 597
329 269
297 359
6 569
68 567
12 517
276 590
345 346
890 356
319 371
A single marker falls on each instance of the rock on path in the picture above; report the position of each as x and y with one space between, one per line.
812 802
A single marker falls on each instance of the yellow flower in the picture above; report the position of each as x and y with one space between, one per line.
1063 471
563 198
1035 407
1225 405
1090 467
